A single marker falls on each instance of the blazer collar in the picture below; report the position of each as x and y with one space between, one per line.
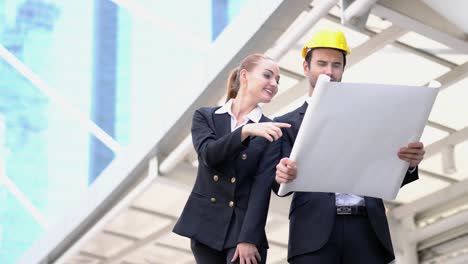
254 115
303 108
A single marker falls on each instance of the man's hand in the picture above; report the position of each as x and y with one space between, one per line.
286 171
413 153
247 254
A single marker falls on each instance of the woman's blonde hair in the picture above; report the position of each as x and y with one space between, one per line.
248 63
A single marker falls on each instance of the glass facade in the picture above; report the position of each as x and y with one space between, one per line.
89 64
24 188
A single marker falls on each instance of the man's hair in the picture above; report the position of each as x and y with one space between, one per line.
308 57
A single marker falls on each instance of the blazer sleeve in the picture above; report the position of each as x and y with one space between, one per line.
253 227
212 150
410 177
285 147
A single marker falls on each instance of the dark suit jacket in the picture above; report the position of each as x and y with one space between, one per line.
228 203
312 214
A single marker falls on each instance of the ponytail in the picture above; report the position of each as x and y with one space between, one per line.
233 84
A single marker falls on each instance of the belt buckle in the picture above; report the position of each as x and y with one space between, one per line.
343 210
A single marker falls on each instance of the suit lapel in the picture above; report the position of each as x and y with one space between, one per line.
222 124
299 116
302 109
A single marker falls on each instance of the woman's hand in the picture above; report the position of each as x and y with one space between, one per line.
269 130
247 254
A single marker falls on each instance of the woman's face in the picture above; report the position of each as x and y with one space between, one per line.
262 81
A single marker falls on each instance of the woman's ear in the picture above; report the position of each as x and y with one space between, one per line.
243 76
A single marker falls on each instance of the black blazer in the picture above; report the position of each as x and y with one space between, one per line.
228 203
312 214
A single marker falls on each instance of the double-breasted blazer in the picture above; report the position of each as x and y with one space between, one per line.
229 202
312 214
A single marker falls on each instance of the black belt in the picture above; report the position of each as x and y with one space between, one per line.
351 210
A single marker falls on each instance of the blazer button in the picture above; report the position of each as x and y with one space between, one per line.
215 178
233 179
244 156
231 204
213 200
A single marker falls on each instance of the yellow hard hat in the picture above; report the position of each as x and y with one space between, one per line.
327 38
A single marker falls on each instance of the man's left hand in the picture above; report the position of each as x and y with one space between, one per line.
413 153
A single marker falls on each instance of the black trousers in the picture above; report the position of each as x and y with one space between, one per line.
353 241
206 255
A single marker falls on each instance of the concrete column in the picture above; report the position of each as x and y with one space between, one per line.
405 251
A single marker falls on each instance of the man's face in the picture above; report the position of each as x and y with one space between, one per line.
324 61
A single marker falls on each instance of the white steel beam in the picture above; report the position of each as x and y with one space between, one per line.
450 245
291 74
438 176
23 199
448 160
438 227
453 10
181 151
421 19
176 156
453 139
459 259
312 17
119 256
404 47
183 176
447 209
424 13
59 100
269 20
111 193
441 127
438 198
453 76
300 89
357 9
117 209
443 240
375 43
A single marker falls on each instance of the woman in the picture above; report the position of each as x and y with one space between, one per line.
226 212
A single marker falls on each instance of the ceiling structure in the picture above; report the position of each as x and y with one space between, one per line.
392 42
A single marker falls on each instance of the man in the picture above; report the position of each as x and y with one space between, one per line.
327 227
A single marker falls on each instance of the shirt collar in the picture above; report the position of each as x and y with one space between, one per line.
255 115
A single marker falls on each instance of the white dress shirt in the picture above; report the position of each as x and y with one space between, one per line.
253 115
344 199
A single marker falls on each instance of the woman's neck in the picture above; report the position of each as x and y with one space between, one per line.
241 107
